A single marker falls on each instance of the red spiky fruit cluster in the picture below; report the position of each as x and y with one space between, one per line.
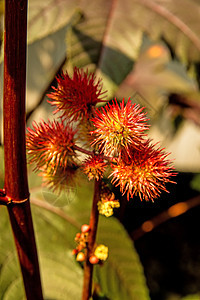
114 135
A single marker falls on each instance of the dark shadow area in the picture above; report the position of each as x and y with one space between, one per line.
170 253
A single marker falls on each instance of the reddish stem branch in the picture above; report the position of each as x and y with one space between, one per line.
91 152
16 185
83 150
88 267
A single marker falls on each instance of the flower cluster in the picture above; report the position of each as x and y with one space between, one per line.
139 167
107 201
100 253
81 240
114 135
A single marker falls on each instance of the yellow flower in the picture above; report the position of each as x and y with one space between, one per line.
101 252
107 201
106 208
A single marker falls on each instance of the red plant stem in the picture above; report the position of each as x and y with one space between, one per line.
91 153
88 267
16 185
83 150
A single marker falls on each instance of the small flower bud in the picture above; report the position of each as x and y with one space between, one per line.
80 257
80 247
85 228
78 235
74 251
93 260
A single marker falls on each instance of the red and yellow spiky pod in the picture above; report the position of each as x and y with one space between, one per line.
50 146
144 173
94 167
74 97
119 126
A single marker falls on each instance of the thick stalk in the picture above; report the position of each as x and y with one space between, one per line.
16 185
88 267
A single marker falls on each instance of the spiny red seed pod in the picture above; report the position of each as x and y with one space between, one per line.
77 95
80 257
145 173
85 228
94 167
51 144
118 127
50 147
93 260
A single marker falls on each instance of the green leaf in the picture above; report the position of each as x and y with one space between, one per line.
105 42
56 225
154 76
60 274
9 268
108 40
166 19
171 21
121 277
46 17
123 267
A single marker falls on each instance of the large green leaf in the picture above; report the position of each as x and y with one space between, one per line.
108 40
121 276
61 276
155 76
47 17
45 57
122 20
105 41
56 225
171 21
